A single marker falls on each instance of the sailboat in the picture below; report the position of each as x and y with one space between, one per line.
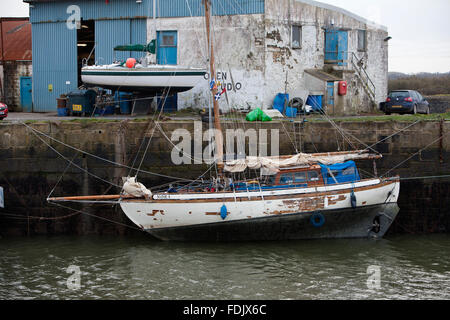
303 196
150 79
131 76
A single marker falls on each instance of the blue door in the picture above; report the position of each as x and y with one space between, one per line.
336 47
330 94
166 52
26 90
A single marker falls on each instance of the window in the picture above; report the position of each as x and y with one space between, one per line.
399 94
349 171
296 37
361 40
270 180
286 179
168 41
313 176
419 96
300 177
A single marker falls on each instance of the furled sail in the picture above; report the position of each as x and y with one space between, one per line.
135 189
272 165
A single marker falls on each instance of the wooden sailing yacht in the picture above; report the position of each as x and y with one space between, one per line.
305 196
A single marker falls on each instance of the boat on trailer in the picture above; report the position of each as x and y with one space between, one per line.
152 79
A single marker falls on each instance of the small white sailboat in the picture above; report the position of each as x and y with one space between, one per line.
152 79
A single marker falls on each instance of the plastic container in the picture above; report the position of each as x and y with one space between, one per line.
63 112
81 102
280 101
291 112
315 102
124 101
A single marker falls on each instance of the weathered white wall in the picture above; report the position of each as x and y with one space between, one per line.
256 51
314 19
239 54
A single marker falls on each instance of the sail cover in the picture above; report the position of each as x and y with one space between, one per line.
272 165
133 188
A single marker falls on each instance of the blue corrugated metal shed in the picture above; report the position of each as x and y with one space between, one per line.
54 63
122 9
116 22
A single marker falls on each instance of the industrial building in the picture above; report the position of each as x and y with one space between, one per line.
15 63
304 48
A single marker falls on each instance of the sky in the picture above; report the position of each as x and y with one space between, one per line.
420 30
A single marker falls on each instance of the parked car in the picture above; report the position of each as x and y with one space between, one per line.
3 111
406 101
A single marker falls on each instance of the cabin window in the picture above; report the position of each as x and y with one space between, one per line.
313 176
286 179
300 177
270 180
296 37
349 171
361 40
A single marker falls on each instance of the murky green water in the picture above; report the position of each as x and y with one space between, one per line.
410 267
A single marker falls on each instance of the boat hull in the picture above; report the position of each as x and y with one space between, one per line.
145 81
329 212
337 224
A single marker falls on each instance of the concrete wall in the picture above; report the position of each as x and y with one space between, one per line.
13 70
256 51
239 54
314 18
30 169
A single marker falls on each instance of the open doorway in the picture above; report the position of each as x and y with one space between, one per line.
85 45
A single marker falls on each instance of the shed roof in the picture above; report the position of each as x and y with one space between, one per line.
15 40
322 75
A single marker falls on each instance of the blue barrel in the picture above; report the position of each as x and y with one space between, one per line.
291 112
124 99
170 104
280 101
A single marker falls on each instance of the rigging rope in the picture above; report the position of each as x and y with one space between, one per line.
100 158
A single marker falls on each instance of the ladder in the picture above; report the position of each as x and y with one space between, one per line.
367 83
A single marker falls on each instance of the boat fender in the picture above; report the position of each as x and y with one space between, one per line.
353 199
224 212
317 219
376 225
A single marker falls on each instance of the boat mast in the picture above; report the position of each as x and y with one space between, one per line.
214 91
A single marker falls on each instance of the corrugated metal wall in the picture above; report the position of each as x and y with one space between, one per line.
54 63
119 22
186 8
124 9
110 33
91 10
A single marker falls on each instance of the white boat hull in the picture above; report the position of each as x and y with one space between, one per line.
149 80
197 216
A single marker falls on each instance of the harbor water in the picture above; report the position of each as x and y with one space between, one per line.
138 267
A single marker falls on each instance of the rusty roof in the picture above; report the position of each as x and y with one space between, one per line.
15 39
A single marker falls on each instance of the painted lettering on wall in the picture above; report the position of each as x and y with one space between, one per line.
223 80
